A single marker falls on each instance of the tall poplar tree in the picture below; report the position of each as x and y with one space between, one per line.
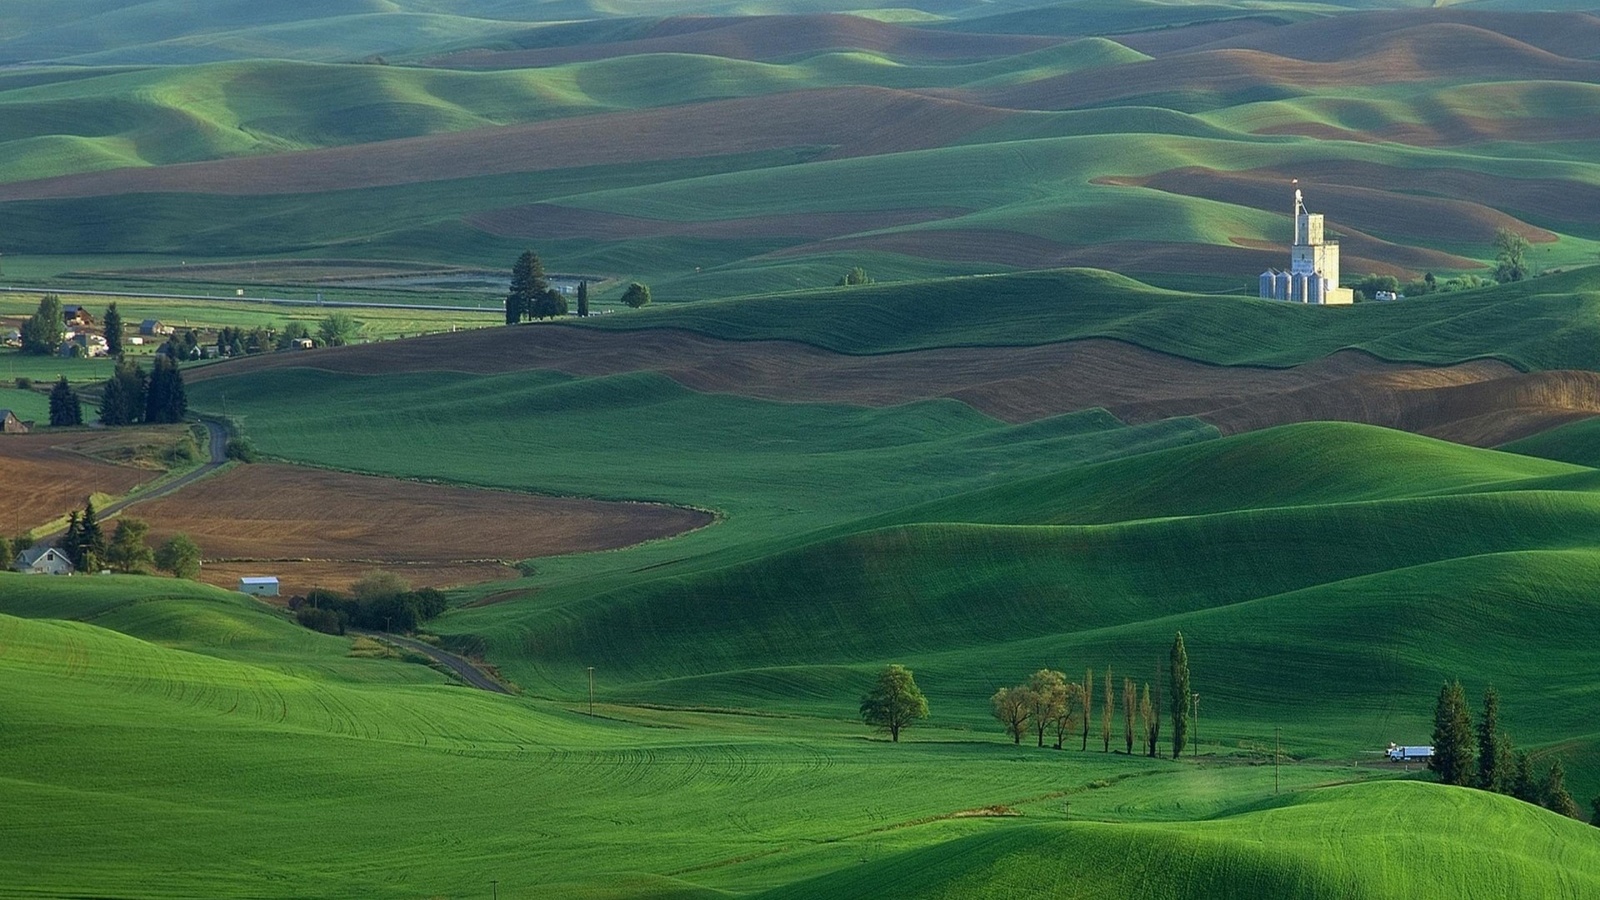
583 298
1152 722
1452 737
1180 695
1130 701
1088 705
1105 716
113 322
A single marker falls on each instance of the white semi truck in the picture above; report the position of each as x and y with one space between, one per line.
1398 753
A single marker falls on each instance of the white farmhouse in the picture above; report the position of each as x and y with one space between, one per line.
263 586
43 561
1313 273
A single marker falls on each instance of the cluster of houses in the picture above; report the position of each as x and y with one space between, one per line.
77 340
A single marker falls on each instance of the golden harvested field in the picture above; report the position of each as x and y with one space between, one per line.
313 527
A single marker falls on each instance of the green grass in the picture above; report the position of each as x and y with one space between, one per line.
1544 323
1577 443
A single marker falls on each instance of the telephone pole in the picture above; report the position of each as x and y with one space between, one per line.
591 690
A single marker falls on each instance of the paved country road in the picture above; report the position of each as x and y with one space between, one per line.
469 673
218 456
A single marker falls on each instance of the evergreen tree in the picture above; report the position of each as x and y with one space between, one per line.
72 541
1493 750
1593 804
1524 786
1130 702
1553 793
122 402
1452 737
113 330
91 540
65 407
583 298
527 284
894 702
548 304
1180 695
165 399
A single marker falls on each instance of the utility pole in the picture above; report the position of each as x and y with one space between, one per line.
1196 725
494 884
591 690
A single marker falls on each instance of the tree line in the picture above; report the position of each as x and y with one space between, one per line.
1485 758
532 297
1047 704
381 601
86 545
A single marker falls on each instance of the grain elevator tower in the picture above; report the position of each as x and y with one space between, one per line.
1313 273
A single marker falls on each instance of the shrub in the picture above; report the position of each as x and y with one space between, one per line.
241 450
324 620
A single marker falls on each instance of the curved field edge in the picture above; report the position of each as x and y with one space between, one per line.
1362 841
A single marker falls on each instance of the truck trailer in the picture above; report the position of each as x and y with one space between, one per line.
1399 753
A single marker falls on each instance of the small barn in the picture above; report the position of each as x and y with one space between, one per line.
43 561
10 424
259 586
78 316
150 327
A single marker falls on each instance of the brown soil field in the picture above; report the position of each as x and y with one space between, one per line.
1482 402
563 222
49 474
766 38
334 527
1573 35
1358 194
1432 52
882 121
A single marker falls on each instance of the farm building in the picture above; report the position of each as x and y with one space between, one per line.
154 327
43 561
262 586
77 316
302 344
1313 273
10 424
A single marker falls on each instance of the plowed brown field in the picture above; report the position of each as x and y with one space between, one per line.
766 38
1482 402
47 475
883 121
313 527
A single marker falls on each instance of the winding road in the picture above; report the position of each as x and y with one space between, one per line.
218 447
469 673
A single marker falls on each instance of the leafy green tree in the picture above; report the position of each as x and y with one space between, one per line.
338 329
1510 256
294 331
127 551
855 276
1553 794
1452 737
637 295
1494 751
1180 695
180 556
583 298
1151 722
165 399
527 285
1066 711
1011 706
122 401
548 304
1046 691
113 329
65 407
42 332
894 702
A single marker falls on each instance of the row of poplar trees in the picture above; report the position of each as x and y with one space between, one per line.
1048 704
